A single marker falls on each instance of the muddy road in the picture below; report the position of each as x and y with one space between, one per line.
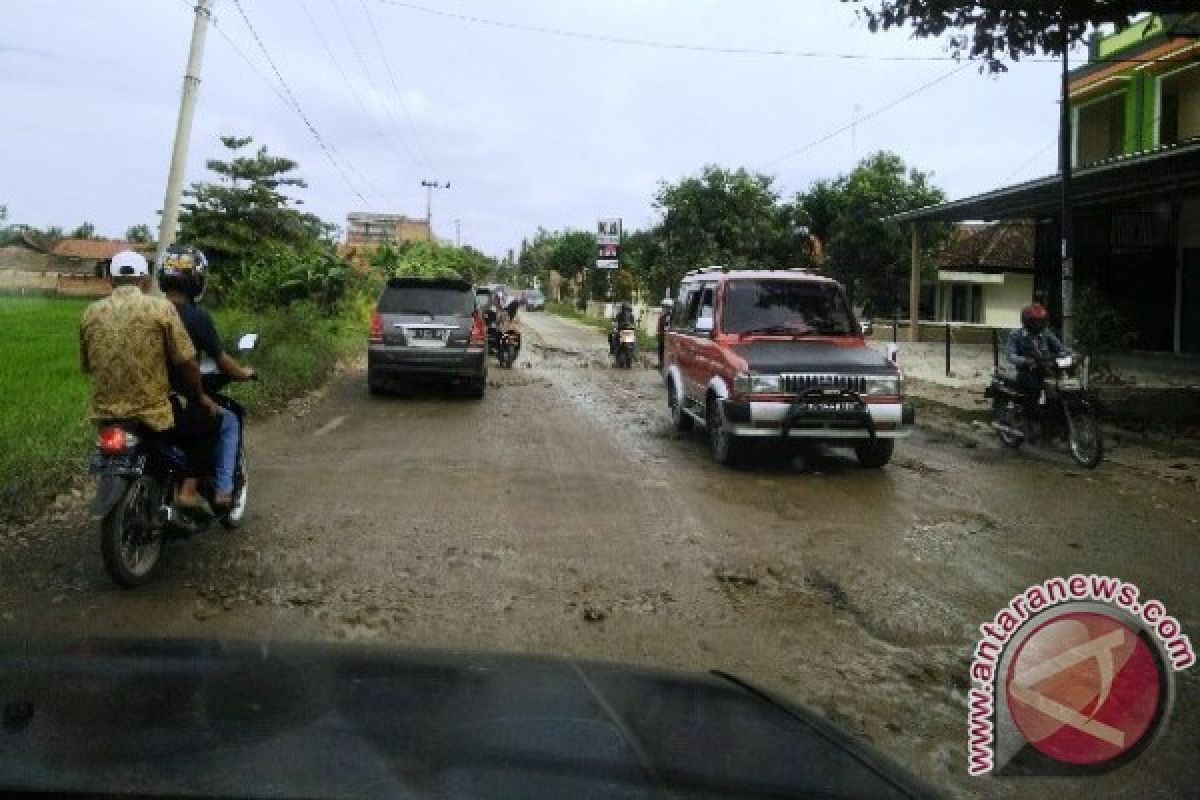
562 515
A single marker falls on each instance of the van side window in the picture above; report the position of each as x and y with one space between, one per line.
708 302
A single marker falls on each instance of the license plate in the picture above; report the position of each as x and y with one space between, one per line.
124 464
628 337
426 337
827 407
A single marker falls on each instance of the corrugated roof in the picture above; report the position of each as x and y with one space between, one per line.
1153 173
1004 246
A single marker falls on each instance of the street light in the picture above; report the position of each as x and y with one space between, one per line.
429 187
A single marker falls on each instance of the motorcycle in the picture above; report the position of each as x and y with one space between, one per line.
139 474
625 347
508 347
1063 408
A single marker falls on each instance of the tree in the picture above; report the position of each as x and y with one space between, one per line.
993 30
870 256
86 230
139 233
431 260
247 213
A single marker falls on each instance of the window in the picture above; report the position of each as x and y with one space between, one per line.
1100 129
964 303
785 306
1179 106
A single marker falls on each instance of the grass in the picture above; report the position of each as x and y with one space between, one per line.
646 342
44 432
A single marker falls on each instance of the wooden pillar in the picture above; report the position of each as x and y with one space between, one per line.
914 287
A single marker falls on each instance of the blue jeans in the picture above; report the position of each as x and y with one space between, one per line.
227 450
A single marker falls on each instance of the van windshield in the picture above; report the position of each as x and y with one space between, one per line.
785 307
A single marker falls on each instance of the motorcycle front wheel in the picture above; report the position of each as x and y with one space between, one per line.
131 541
1004 415
1083 435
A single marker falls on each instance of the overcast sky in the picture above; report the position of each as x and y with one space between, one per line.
529 129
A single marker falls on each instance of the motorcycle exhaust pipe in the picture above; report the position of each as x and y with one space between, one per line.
1008 430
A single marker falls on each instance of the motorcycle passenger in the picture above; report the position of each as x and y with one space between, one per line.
129 343
1029 343
623 321
183 276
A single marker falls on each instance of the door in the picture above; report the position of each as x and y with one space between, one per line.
1189 322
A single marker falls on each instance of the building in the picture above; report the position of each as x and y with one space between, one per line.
985 274
368 229
1135 193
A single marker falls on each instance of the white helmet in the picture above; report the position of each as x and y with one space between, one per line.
128 264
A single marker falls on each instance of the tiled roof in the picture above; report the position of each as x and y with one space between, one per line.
1004 245
94 249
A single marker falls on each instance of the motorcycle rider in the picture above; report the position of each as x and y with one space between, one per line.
1029 343
664 322
182 277
506 321
129 342
624 320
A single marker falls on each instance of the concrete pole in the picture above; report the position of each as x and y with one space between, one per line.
183 128
458 233
914 287
1067 226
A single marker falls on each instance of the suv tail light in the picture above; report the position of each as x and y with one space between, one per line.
376 335
478 331
113 441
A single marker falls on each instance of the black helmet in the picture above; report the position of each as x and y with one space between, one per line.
183 269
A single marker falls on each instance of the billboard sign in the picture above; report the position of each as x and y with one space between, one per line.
608 231
607 263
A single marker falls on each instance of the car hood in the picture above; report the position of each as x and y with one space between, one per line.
773 356
261 719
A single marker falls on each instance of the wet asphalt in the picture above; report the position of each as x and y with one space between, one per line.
562 514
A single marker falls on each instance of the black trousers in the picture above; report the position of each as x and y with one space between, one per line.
195 433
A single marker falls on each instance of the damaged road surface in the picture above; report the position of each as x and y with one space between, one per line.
561 515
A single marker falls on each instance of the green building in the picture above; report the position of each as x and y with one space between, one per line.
1135 109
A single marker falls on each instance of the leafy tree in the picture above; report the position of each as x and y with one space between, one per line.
139 233
246 213
86 230
723 216
994 31
869 256
431 259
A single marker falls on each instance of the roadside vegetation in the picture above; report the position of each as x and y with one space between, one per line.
646 342
275 270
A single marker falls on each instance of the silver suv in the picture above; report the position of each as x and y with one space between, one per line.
427 327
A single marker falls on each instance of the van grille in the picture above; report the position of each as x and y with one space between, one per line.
794 383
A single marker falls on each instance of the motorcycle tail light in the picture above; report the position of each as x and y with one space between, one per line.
376 334
115 440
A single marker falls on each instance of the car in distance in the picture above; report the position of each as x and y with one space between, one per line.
754 354
534 300
427 328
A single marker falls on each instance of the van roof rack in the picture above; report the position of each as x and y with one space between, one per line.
704 270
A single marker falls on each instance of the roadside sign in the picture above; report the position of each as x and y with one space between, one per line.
608 231
607 263
608 251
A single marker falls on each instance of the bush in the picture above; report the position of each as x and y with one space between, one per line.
279 277
1099 328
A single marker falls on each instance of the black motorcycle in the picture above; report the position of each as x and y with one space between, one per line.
139 473
1063 408
508 347
624 347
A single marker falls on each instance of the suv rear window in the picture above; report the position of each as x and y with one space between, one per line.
783 306
436 299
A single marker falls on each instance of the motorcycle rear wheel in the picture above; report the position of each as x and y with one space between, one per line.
131 542
1083 436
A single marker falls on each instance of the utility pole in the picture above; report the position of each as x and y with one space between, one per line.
429 187
1067 224
183 128
458 233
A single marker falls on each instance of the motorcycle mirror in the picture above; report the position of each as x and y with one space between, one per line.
248 341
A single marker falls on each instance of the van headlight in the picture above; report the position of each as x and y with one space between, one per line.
754 383
885 386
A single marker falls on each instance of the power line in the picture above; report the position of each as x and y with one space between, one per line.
1025 164
362 63
325 148
690 47
350 84
392 78
869 115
